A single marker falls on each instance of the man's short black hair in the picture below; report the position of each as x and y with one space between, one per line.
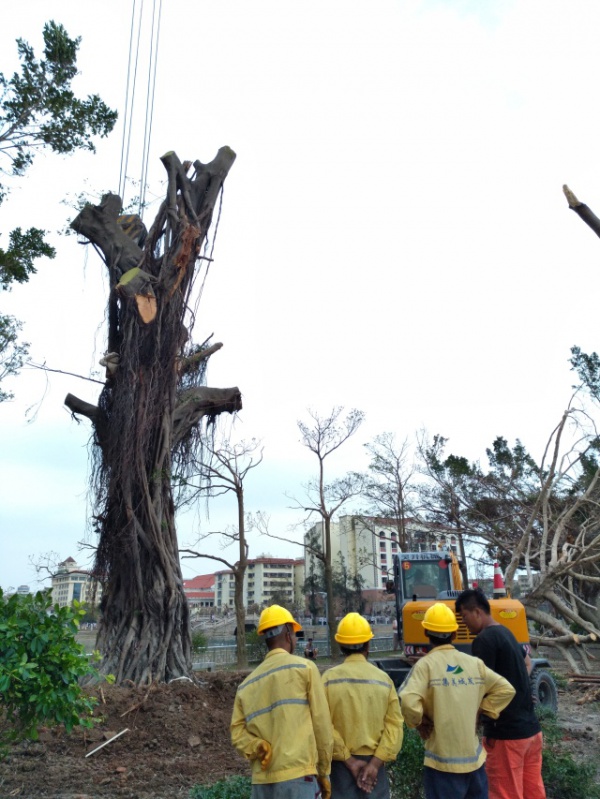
354 649
472 598
439 639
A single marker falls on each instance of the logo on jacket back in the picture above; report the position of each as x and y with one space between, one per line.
454 669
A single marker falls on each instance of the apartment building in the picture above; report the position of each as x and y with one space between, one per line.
74 583
265 576
368 543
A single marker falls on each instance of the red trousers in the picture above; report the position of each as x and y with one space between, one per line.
514 768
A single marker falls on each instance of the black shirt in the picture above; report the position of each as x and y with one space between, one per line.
501 652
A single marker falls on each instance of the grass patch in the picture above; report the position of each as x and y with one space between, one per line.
232 788
406 772
564 777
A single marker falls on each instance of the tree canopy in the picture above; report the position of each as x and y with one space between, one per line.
39 111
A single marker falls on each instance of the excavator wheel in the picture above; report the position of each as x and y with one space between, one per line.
543 689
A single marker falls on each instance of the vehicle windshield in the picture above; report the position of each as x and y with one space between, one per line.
425 579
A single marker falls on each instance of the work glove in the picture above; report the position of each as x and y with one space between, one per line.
325 786
264 753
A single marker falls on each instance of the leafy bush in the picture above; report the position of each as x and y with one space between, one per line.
255 646
232 788
564 777
40 667
406 773
199 642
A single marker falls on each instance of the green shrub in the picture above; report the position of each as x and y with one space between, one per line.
199 642
406 773
564 777
255 647
232 788
40 667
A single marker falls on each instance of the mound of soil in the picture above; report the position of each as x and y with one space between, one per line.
178 737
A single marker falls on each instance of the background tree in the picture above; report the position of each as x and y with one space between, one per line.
224 470
323 436
440 495
347 588
388 484
314 583
147 423
13 353
39 111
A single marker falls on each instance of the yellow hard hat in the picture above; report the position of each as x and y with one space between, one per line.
274 616
440 619
353 629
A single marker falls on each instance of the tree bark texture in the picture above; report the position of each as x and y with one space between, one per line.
148 417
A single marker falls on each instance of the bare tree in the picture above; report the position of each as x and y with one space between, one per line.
323 436
149 415
388 484
225 470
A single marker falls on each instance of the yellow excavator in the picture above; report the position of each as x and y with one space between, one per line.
422 578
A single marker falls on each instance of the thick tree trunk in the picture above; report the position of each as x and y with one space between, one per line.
146 419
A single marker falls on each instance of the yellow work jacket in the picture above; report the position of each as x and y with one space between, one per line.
283 702
450 688
364 710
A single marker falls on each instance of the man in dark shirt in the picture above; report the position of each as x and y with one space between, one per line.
513 742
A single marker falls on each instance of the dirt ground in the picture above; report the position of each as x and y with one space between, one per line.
178 736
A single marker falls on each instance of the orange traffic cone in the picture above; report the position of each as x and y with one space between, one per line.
499 588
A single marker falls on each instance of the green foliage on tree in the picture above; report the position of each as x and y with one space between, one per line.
347 588
41 665
39 110
12 352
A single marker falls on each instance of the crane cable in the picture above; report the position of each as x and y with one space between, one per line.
152 66
130 94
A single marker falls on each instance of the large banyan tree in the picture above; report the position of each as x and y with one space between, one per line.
148 422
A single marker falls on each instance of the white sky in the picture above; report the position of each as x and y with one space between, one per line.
394 235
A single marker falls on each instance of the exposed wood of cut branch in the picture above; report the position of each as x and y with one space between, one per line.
584 677
582 210
203 355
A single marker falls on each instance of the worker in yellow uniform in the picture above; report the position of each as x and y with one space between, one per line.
365 711
280 718
442 697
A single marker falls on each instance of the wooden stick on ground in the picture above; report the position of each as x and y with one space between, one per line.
114 738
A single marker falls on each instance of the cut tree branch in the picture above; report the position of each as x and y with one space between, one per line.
582 210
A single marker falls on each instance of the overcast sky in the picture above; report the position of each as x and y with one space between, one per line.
394 236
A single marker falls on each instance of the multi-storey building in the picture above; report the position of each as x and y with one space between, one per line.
73 583
200 591
265 577
367 544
